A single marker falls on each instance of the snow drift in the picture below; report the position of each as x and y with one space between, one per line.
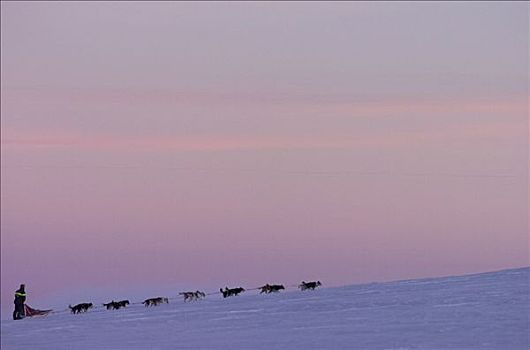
482 311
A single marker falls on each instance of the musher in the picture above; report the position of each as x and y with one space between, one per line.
20 299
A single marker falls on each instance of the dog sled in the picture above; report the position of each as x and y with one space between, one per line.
31 312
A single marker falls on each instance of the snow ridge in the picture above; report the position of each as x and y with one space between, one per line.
482 311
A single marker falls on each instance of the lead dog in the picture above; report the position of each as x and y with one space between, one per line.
309 285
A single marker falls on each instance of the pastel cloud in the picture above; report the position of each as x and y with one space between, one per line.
54 139
499 118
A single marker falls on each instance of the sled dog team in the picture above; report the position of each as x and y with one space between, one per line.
191 296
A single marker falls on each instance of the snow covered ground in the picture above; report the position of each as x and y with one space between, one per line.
483 311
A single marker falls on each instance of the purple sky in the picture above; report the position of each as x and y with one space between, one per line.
155 147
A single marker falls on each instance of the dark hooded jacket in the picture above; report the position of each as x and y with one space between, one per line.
20 295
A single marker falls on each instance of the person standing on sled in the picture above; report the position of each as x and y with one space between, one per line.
20 299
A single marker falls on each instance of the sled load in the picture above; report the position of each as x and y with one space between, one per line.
31 312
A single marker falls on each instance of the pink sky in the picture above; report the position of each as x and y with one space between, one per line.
155 147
